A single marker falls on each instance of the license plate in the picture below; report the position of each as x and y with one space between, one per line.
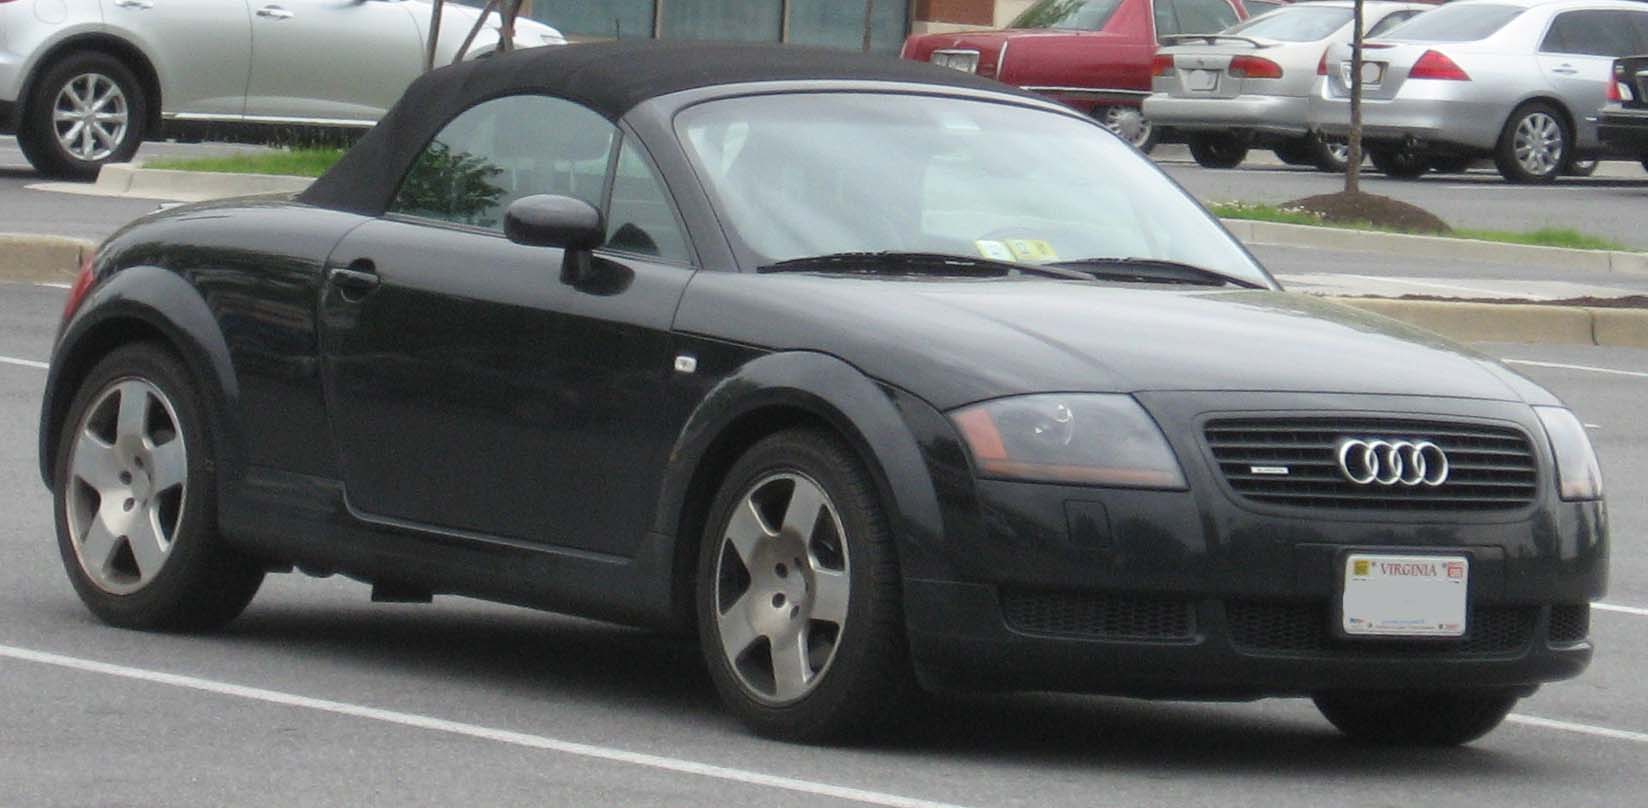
1404 595
1372 72
1201 80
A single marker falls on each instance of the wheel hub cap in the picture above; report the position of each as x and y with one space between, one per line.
1538 143
1128 123
781 588
90 117
126 486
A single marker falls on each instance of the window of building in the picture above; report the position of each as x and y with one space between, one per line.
831 23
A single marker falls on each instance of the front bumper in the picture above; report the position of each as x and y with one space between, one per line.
1263 114
1198 594
1421 112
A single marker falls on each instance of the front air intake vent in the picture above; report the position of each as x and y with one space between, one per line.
1388 464
1099 617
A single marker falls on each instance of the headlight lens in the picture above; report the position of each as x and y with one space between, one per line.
1069 438
1578 475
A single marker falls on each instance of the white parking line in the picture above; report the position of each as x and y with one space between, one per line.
1587 368
1583 729
55 285
1477 290
1609 607
473 731
28 363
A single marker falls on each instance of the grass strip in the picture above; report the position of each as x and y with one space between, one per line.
1541 237
292 162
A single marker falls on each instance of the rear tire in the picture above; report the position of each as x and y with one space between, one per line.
136 500
1441 718
1130 125
1217 150
1401 163
1535 144
86 111
797 555
1297 152
1451 165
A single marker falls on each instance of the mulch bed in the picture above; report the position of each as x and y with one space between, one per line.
1380 211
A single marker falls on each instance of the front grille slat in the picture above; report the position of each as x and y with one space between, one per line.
1570 623
1490 466
1099 616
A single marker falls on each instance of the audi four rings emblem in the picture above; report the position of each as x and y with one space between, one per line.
1392 462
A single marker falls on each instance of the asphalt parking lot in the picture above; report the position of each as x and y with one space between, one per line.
318 697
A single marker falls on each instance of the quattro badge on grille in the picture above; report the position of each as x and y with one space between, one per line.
1376 461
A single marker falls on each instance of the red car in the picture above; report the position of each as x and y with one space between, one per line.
1091 54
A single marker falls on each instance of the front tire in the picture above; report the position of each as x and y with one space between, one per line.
1441 718
135 496
1534 146
1217 150
798 594
87 110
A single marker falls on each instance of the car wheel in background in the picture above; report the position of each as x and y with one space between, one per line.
1297 152
135 495
1330 155
86 111
1533 148
1217 150
1580 168
1130 125
798 593
1440 718
1399 163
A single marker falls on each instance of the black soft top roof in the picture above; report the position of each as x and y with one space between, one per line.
610 77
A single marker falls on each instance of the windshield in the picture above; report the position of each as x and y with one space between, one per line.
1466 23
808 174
1295 23
1086 15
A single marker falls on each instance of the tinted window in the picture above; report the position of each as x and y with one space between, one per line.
641 219
501 150
1166 23
1466 23
1390 21
1591 33
1296 23
1203 16
1257 7
1090 15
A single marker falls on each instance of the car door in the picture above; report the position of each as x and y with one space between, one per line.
1577 58
200 50
475 389
330 60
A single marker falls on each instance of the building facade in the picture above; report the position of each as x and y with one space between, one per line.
830 23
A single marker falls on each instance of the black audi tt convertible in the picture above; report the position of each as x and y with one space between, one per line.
874 376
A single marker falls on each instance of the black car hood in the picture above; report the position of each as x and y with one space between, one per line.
955 341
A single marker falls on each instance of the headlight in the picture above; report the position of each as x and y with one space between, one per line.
1578 476
1069 438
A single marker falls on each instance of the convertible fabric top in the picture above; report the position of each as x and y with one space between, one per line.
610 78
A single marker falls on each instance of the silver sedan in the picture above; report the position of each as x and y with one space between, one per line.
1516 80
1250 85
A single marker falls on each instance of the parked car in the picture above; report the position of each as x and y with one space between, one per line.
1623 123
913 378
1093 55
1519 81
84 82
1250 84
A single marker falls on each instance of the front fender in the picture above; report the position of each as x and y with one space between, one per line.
133 304
880 422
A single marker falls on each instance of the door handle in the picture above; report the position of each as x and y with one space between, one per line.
354 281
274 13
138 5
1566 70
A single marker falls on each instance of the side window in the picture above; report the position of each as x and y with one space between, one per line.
1390 21
1590 33
1204 16
1166 23
641 219
1639 33
501 150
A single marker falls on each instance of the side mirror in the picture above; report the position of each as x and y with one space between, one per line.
543 220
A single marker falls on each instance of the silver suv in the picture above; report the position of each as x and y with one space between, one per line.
83 82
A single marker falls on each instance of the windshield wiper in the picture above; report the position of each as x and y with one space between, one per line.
922 263
1153 270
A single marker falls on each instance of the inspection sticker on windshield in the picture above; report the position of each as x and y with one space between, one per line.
1404 596
1032 251
993 250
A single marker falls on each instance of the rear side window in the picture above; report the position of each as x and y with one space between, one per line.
1085 15
501 150
1466 23
1390 21
1592 33
1203 16
1296 23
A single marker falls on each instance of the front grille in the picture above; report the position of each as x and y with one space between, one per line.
1570 623
1304 628
1489 467
1092 616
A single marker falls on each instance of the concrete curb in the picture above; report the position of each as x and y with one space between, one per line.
131 179
1434 247
1515 322
35 259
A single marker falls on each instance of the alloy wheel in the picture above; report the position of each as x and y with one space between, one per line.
1538 143
781 588
1128 123
126 486
90 117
